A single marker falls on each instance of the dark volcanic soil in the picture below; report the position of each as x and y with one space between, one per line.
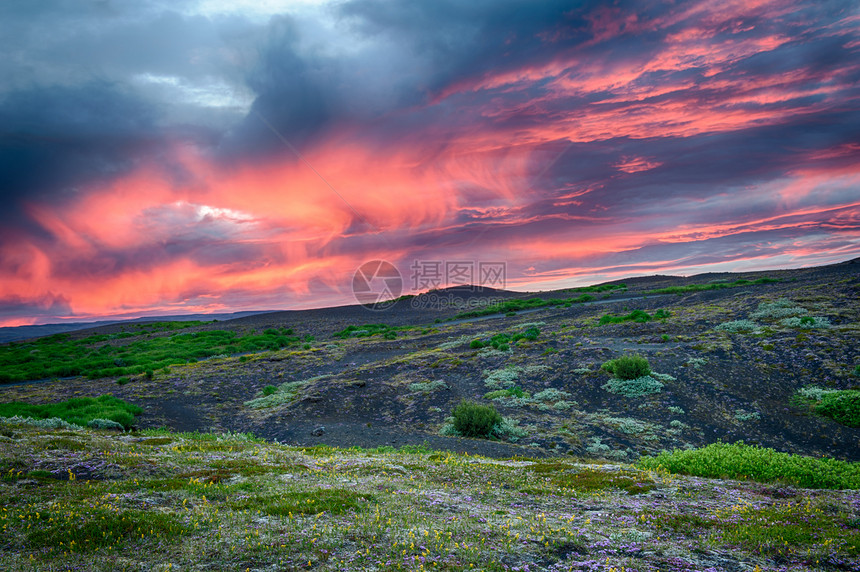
727 386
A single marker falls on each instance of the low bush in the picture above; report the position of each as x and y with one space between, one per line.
474 420
777 310
509 429
742 415
638 387
427 386
104 424
806 322
640 316
531 333
740 461
501 378
628 367
49 423
552 394
841 406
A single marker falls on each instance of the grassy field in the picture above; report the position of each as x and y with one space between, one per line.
519 304
181 501
81 411
135 352
710 286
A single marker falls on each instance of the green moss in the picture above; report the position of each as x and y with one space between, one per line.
589 480
332 501
795 529
91 529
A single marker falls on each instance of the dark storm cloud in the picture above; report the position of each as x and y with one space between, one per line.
81 102
462 39
55 138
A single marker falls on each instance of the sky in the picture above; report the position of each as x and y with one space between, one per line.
171 157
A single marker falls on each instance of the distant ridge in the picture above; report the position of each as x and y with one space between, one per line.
12 334
462 292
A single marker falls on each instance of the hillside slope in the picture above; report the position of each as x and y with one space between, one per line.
396 383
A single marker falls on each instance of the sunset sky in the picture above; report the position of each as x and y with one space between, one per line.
171 157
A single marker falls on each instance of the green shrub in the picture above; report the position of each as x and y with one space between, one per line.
531 333
270 390
639 316
49 423
476 344
628 367
841 406
104 424
813 392
742 415
501 378
627 425
740 461
633 387
509 429
857 369
551 394
806 322
427 386
474 420
782 308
